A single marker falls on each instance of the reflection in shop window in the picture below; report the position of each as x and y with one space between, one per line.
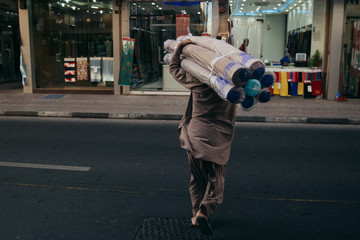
151 24
79 32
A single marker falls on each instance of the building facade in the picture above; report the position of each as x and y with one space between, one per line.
74 46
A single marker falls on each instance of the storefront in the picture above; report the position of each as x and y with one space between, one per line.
287 36
350 63
72 43
151 24
9 42
79 45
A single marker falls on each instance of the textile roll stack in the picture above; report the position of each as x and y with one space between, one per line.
225 89
167 58
215 63
225 69
256 66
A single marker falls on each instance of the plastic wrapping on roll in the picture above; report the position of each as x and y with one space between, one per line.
170 45
225 89
217 64
167 58
256 66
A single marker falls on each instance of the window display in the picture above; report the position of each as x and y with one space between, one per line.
152 23
71 38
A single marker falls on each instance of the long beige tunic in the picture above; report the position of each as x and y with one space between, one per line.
207 127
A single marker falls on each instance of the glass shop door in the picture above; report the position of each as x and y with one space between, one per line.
48 28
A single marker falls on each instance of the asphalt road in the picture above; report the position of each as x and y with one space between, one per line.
99 179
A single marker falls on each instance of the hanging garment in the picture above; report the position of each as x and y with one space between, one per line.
284 91
69 70
294 84
316 83
307 87
95 69
108 69
300 84
276 89
126 63
81 69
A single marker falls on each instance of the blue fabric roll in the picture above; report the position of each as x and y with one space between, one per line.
264 96
258 73
248 103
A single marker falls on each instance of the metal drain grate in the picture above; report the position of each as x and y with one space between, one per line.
168 229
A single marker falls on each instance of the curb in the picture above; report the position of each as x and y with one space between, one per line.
155 116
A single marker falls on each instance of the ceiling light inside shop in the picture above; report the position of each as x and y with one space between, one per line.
94 0
94 7
67 1
199 13
153 3
160 8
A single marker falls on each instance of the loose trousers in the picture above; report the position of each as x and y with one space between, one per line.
206 186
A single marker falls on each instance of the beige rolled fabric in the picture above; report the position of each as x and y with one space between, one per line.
167 58
225 89
219 65
256 66
170 45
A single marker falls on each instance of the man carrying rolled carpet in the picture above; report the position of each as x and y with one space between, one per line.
206 133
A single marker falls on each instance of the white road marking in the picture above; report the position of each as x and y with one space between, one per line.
45 166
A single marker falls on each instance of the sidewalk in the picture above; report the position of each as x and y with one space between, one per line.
13 102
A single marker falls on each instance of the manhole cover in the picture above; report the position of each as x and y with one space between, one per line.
168 228
52 96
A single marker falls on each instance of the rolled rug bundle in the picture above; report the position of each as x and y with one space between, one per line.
225 89
248 103
253 87
264 95
268 79
219 65
167 58
256 66
170 45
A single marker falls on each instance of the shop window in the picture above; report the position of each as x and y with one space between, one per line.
9 43
350 63
73 43
151 24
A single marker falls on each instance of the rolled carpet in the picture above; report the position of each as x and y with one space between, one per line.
268 79
256 66
167 58
219 65
225 89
